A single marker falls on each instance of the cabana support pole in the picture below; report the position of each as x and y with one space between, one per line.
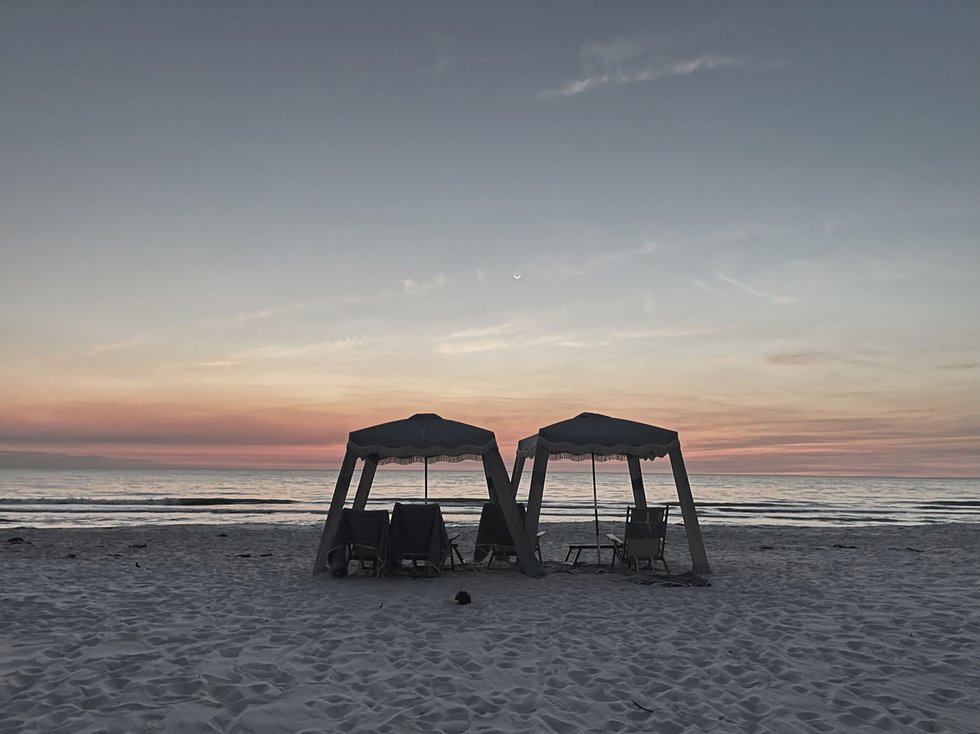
595 508
636 479
490 490
699 558
364 485
536 491
426 460
494 466
515 476
331 528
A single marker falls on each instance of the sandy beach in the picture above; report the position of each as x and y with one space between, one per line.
222 629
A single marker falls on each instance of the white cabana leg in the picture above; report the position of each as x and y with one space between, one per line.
364 485
536 491
636 479
699 558
331 528
530 565
490 488
515 476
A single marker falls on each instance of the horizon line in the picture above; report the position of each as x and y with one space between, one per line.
404 468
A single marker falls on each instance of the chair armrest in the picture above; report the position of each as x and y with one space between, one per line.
614 539
542 532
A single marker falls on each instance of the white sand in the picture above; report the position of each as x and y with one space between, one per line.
184 636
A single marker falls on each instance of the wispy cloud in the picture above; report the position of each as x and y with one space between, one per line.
158 334
471 346
493 337
664 333
706 287
510 335
621 61
798 359
295 351
772 298
804 358
219 363
491 330
248 316
582 265
418 288
97 349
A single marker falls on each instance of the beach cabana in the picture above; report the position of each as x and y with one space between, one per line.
426 438
590 435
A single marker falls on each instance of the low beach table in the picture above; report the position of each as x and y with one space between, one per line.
577 548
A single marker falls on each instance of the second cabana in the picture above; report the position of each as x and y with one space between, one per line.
602 438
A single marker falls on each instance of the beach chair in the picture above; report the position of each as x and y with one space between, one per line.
418 536
645 538
363 538
493 539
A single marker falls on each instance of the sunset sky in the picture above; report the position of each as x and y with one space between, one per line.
232 232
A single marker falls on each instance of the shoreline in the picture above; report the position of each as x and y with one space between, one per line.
222 627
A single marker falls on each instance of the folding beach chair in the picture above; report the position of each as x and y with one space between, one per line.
418 535
493 538
645 538
363 538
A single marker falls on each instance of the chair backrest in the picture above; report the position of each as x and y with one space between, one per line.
365 533
418 530
366 527
646 532
649 523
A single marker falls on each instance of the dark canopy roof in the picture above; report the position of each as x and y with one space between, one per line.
424 435
608 438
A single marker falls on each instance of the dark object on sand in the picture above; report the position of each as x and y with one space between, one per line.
138 545
17 540
463 597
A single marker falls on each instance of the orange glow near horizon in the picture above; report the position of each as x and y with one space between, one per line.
312 437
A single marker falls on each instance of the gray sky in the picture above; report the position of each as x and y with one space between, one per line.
722 215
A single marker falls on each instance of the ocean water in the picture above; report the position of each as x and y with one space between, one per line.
97 498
